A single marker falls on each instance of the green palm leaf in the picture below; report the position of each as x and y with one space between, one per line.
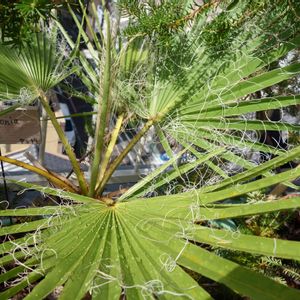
199 102
39 66
137 248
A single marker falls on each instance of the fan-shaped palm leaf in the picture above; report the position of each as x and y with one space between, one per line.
38 66
29 73
141 248
204 97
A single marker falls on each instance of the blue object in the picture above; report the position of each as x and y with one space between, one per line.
164 157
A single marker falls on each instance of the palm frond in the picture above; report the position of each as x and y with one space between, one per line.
137 249
38 66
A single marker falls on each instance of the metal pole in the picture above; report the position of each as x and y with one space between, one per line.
44 136
4 179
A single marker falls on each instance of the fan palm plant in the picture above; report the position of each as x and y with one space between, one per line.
142 243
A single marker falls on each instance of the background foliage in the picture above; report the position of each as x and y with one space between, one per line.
18 19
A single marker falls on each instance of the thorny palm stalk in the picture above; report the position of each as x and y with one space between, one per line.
102 110
119 159
68 148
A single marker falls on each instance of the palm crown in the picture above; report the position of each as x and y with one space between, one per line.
140 244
